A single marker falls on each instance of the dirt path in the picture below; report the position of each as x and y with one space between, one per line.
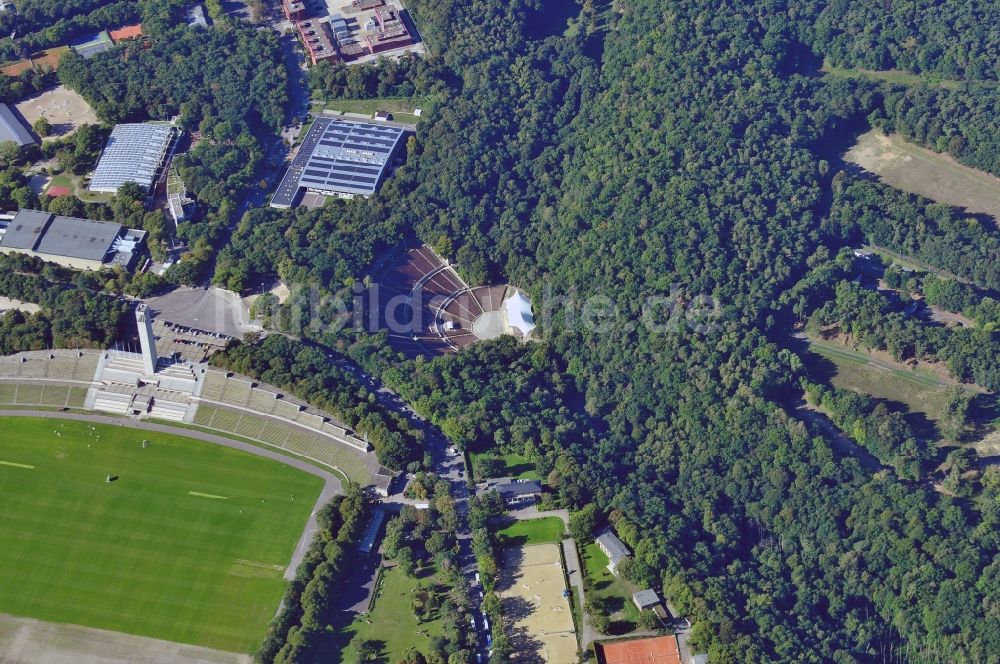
331 486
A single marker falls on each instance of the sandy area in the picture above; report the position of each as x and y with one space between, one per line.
65 109
27 307
539 618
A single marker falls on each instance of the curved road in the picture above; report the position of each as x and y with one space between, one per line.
331 486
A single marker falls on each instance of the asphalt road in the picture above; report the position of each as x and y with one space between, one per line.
331 486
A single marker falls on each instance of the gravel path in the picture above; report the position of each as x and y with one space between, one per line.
331 486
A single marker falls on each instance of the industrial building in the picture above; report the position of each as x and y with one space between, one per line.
340 158
12 128
137 152
81 244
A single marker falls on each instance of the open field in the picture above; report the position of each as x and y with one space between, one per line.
532 531
516 466
921 171
75 185
44 60
537 614
616 592
919 390
64 108
391 622
188 544
896 76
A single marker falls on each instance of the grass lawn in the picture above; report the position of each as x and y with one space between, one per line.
189 544
516 466
400 107
75 184
896 76
616 592
919 391
533 531
392 626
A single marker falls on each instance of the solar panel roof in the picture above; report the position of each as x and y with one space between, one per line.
134 153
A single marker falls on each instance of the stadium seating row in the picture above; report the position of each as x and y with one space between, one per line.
298 441
51 396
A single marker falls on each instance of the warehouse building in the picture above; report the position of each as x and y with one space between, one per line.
340 158
138 152
12 128
81 244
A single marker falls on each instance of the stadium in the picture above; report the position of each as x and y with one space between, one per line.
428 309
198 457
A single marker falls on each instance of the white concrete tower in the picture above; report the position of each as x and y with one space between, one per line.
146 339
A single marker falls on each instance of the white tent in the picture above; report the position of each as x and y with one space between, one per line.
518 310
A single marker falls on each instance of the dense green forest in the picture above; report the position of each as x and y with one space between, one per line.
689 145
956 39
936 234
684 149
75 313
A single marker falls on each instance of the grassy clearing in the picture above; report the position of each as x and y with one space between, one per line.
391 624
515 465
146 554
918 170
401 107
919 391
894 76
614 592
546 530
75 184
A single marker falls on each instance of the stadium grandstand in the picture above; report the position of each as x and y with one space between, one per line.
135 152
429 310
145 384
340 157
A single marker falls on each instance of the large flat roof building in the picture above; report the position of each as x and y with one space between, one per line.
340 157
82 244
137 152
12 129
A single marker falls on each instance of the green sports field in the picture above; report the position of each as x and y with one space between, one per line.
188 544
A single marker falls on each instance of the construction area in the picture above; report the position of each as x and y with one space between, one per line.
537 614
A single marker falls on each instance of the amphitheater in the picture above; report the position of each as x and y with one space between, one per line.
144 386
428 309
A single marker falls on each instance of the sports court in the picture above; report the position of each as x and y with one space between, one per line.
656 650
538 615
